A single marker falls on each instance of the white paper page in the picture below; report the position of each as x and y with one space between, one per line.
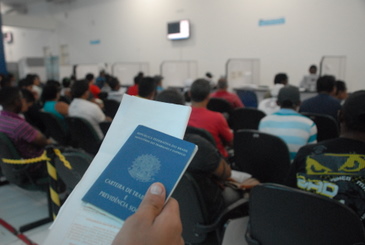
76 224
240 176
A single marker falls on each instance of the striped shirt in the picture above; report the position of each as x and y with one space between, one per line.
295 129
21 133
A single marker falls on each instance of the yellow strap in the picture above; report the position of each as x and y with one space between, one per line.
43 157
62 158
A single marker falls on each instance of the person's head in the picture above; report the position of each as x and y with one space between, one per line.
281 78
222 84
147 88
28 99
11 99
50 92
89 77
80 88
352 114
158 80
313 69
113 83
55 83
5 82
33 78
326 84
289 97
200 90
341 90
138 78
25 84
66 82
171 96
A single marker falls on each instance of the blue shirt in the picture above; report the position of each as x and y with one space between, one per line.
295 129
322 104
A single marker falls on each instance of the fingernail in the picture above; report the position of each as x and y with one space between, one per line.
156 189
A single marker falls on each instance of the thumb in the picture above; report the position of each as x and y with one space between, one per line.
152 202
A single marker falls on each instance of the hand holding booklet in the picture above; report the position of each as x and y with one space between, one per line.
79 222
148 156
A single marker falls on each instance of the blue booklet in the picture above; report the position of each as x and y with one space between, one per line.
147 156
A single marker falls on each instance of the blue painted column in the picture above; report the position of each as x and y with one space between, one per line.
3 69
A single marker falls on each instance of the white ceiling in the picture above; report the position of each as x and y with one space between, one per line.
21 6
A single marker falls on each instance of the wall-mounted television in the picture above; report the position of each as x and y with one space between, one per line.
178 30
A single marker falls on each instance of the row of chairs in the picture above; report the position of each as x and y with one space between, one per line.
63 171
78 132
249 118
277 215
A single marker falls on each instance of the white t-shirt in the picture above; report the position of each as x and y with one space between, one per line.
89 111
309 82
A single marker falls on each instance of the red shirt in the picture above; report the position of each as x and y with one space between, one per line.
230 97
95 90
214 123
133 90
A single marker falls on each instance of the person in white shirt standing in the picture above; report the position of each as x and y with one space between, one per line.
308 82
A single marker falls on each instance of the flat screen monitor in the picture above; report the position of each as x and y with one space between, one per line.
178 30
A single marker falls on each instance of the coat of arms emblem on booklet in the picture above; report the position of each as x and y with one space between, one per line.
147 156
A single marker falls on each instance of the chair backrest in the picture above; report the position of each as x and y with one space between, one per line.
110 107
201 132
285 216
15 173
72 171
104 126
246 118
192 210
220 105
83 134
264 156
55 128
327 126
248 97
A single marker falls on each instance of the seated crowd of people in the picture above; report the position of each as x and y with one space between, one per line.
337 162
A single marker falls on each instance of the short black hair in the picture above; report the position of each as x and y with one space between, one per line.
340 86
89 77
138 77
354 111
280 78
53 83
171 96
49 92
28 96
113 82
313 67
326 84
200 90
9 95
25 83
66 82
146 87
79 87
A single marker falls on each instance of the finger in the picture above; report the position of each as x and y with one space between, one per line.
170 216
152 202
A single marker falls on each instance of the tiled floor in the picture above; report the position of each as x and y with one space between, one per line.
19 207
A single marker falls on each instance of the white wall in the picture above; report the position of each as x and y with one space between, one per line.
135 31
28 43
